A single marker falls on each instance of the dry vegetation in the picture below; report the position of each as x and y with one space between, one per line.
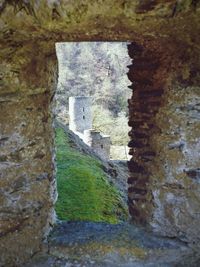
96 69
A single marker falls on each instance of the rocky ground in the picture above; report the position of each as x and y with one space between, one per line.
78 244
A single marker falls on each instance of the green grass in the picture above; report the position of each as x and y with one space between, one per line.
83 190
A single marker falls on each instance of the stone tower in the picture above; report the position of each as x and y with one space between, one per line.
80 113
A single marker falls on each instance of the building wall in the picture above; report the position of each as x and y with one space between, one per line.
81 123
80 114
27 172
164 185
98 142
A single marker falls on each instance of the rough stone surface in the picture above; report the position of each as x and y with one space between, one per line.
121 245
177 191
29 30
27 185
164 188
99 142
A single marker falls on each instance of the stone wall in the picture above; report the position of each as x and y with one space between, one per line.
27 180
80 122
143 107
175 176
80 114
98 142
29 31
164 188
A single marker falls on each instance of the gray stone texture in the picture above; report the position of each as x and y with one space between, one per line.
98 142
80 114
80 122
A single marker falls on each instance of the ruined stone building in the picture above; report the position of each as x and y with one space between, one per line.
164 113
80 122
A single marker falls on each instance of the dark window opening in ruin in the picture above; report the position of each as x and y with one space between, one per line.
92 131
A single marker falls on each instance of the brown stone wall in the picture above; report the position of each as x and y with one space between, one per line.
175 173
28 32
27 185
164 185
143 106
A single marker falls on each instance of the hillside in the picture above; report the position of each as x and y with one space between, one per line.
88 188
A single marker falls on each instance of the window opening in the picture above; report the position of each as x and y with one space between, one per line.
84 142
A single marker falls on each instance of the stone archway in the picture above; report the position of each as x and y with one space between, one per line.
28 75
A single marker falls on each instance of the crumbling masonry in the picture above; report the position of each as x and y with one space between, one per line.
80 123
164 185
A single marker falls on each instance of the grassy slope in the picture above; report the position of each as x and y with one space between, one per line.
83 190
